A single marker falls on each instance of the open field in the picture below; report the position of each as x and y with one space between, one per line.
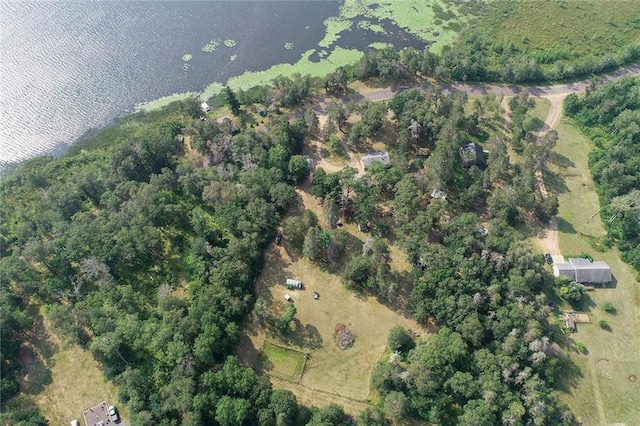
330 373
559 30
53 380
282 362
605 390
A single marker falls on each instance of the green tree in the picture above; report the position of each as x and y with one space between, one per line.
399 339
396 405
285 407
232 100
329 415
232 411
299 169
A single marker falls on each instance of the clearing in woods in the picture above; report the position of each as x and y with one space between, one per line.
330 374
62 380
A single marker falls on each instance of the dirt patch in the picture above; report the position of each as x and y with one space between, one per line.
607 367
633 378
581 317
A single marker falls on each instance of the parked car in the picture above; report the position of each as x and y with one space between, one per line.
548 258
113 413
278 238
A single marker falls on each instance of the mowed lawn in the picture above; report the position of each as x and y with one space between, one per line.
607 389
62 380
329 370
282 362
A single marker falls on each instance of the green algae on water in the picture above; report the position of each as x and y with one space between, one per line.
211 46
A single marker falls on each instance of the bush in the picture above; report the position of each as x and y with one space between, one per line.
603 324
608 307
582 348
572 292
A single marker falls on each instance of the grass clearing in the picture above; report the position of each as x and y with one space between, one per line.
559 30
61 380
604 390
330 373
284 363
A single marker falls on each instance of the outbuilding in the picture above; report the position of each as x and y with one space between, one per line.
375 157
293 284
584 271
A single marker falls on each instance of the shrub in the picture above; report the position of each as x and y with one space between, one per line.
608 307
582 348
603 324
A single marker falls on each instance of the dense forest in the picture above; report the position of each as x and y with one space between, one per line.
144 243
610 115
148 261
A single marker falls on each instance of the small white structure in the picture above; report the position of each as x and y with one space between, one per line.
583 271
293 284
438 194
375 157
205 107
287 297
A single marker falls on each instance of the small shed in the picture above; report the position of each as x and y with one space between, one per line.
438 194
472 154
570 323
205 107
293 284
375 157
287 297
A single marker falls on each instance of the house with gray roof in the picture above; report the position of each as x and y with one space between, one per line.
375 157
472 154
584 271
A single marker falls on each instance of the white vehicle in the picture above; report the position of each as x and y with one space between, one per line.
113 413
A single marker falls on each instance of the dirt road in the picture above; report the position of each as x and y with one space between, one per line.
546 91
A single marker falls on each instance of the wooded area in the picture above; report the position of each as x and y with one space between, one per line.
144 243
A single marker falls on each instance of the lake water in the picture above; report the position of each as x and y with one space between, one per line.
71 66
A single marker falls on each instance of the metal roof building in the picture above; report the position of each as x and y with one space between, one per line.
583 271
375 157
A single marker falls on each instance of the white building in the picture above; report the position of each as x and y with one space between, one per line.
375 157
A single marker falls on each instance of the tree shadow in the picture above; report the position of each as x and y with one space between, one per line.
565 226
560 160
247 353
585 304
554 182
611 284
263 364
569 375
36 356
303 336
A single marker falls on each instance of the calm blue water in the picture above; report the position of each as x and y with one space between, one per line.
67 67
